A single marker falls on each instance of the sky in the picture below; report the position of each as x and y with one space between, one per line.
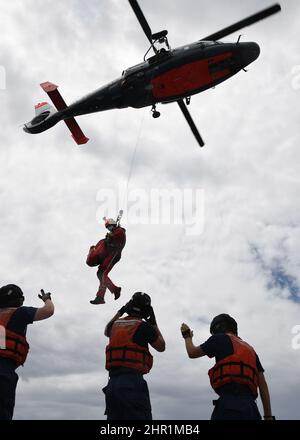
237 248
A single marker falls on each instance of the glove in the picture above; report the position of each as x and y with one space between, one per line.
44 296
126 309
151 316
186 331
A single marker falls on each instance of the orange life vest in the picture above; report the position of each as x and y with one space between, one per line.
240 367
13 345
122 351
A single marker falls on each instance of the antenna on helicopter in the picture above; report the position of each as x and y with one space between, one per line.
119 216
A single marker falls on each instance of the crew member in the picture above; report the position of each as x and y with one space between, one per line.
14 347
106 254
128 358
237 374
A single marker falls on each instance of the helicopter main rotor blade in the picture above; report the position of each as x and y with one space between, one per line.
190 121
141 18
243 23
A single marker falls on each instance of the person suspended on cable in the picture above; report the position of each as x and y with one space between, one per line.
105 254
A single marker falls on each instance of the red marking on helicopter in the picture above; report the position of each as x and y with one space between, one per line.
40 104
54 95
189 77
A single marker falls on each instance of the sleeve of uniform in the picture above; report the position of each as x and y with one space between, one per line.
145 334
21 318
218 345
259 365
27 314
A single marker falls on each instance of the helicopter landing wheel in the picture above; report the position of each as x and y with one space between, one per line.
155 114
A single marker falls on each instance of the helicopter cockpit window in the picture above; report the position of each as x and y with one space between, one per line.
196 45
204 44
208 43
139 70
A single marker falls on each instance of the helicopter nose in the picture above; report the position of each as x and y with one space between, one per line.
249 52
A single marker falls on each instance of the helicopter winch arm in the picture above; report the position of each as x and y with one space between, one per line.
190 121
60 104
243 23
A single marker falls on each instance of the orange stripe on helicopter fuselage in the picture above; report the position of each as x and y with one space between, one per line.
188 77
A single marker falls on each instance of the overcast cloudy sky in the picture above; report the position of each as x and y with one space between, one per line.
246 260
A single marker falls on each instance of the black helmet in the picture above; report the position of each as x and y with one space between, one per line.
140 303
223 323
11 296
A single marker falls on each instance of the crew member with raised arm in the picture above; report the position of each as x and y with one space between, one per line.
237 374
14 318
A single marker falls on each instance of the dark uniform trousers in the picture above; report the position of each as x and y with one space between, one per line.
235 407
127 398
8 384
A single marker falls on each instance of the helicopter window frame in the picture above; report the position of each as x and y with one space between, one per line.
139 68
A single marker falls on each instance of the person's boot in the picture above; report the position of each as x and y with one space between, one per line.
99 297
117 292
98 300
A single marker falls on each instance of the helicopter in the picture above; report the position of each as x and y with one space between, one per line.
170 75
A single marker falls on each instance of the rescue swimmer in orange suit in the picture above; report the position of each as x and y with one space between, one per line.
105 255
237 375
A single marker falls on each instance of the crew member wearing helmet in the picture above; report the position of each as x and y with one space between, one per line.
14 347
106 254
128 358
237 374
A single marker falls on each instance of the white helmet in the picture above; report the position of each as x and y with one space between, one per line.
109 222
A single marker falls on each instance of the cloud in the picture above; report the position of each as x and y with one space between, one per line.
248 171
